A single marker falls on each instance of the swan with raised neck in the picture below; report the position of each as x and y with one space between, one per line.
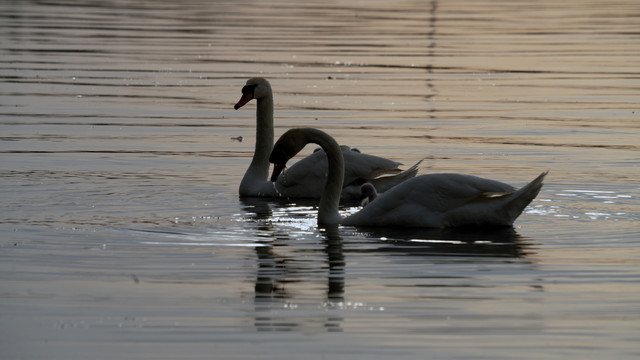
253 180
305 178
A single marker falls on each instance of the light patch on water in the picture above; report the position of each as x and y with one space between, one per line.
350 305
542 210
434 241
606 195
350 211
199 244
592 191
596 215
212 237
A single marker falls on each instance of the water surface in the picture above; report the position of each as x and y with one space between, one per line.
123 235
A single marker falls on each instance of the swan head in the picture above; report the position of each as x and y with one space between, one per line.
255 88
289 144
368 193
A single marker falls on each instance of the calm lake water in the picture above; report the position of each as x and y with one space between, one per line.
122 235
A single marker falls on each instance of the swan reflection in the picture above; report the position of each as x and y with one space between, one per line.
495 242
279 268
300 279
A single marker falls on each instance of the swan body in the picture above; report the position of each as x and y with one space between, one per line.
305 179
432 201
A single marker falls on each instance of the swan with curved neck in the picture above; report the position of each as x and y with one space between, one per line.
434 200
306 177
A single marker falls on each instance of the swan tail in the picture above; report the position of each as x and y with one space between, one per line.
518 201
385 183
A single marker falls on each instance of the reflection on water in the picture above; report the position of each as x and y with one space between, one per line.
501 242
120 165
279 268
275 273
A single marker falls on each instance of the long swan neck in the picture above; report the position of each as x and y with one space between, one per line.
264 132
258 170
330 198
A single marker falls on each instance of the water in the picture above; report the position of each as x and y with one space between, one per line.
123 236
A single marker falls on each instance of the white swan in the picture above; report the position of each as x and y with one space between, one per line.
435 200
305 178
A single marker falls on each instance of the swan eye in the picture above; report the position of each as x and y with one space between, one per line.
249 89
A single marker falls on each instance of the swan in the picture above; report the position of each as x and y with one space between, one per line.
430 201
306 177
368 193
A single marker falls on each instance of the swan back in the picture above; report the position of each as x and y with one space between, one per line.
447 200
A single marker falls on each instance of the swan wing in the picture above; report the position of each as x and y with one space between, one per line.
359 166
381 184
437 200
306 177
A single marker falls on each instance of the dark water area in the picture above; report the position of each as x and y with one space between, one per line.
122 234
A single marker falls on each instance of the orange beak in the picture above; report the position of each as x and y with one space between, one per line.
246 97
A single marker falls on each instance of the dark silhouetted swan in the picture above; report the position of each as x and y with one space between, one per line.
306 177
434 200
